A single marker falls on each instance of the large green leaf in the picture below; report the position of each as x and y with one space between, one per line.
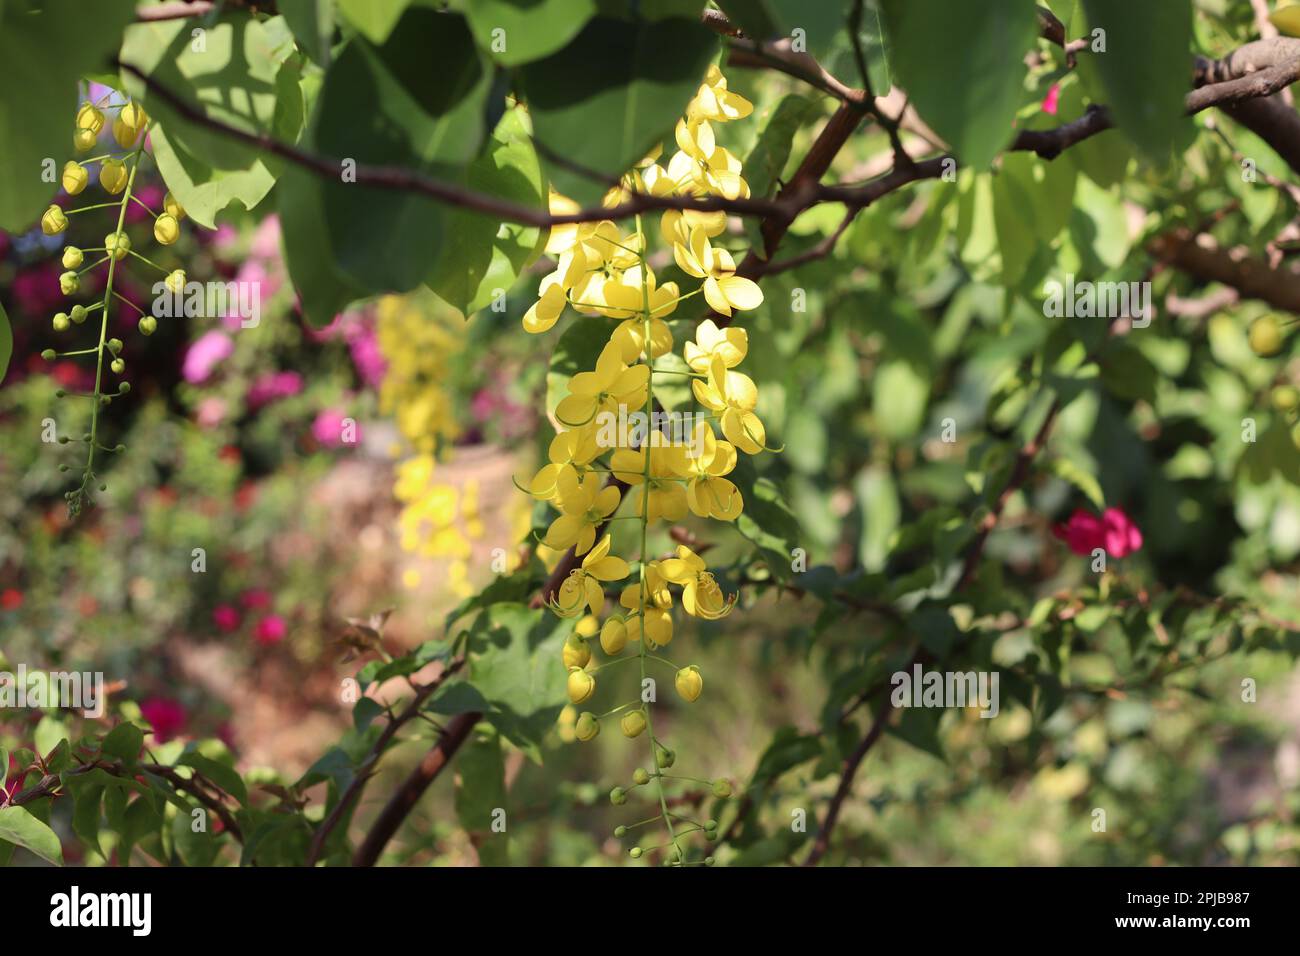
375 19
46 46
312 23
518 31
488 255
962 64
767 520
611 95
1144 70
813 26
18 826
481 796
517 669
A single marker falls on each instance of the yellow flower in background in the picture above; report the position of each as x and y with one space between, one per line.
733 396
613 383
701 596
708 494
665 495
730 344
723 289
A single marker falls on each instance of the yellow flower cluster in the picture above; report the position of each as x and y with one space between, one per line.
603 270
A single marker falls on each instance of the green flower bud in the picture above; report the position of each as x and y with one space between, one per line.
74 177
69 283
113 176
613 636
176 281
166 229
72 257
1266 336
633 723
689 683
147 325
709 861
118 366
117 245
576 653
54 221
79 313
722 788
586 727
114 345
620 831
635 853
664 757
640 776
618 796
60 321
123 387
49 355
581 685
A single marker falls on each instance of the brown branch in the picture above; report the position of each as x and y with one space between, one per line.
408 794
193 789
1204 258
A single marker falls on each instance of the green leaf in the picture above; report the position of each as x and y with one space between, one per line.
124 742
1068 470
1144 70
529 29
323 289
488 255
518 671
919 726
202 190
771 152
1032 199
312 23
4 766
460 697
899 397
49 732
87 796
877 496
819 24
617 89
1128 373
223 775
962 64
18 826
194 848
375 19
43 53
766 520
6 344
481 796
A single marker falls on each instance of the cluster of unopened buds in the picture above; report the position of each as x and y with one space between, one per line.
117 174
603 271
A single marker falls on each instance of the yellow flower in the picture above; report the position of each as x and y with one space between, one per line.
564 236
733 395
612 384
666 493
731 344
723 289
716 175
545 312
625 298
570 452
689 683
708 494
582 588
581 685
701 596
676 224
606 255
584 506
656 587
695 139
713 101
613 636
658 627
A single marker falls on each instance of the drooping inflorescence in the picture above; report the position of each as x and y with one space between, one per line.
671 464
117 177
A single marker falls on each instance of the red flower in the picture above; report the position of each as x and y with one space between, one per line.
255 599
1052 100
167 717
270 630
226 617
1114 532
11 599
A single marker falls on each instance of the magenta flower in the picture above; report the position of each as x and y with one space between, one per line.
1114 532
207 352
1053 99
151 196
270 630
255 599
332 428
272 387
226 617
167 717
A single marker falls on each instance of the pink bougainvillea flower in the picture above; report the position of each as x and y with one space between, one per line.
167 717
226 617
1052 100
272 387
270 630
1114 532
330 428
207 352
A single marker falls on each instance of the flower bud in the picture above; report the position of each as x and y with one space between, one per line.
581 685
640 776
166 229
664 757
620 831
635 853
613 636
633 723
576 653
586 727
1266 336
84 140
79 313
709 861
173 208
60 321
54 221
90 118
133 115
176 281
72 257
69 283
118 366
147 325
722 788
618 796
49 355
117 245
125 135
689 683
115 345
113 176
75 177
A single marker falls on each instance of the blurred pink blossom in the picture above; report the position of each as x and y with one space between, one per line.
211 411
1114 532
151 195
1052 100
167 717
205 354
328 428
273 386
270 630
226 617
255 599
